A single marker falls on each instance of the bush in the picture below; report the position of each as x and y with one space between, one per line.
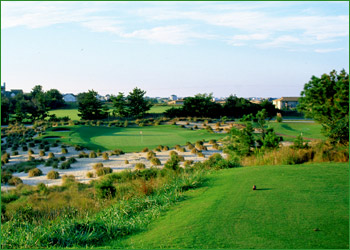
62 158
83 155
155 161
47 148
145 150
300 143
72 160
173 153
31 158
42 153
165 148
34 172
105 156
92 154
117 152
103 171
140 166
105 189
41 146
15 153
68 179
200 154
65 165
89 174
55 164
194 151
52 175
51 155
188 163
172 163
126 162
5 176
5 157
150 155
97 165
64 151
30 151
24 148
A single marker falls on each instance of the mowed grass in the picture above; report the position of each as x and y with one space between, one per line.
129 139
301 206
293 129
71 113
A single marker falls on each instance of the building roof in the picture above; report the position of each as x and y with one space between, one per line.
288 99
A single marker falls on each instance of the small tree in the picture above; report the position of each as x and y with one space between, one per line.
326 99
137 104
89 107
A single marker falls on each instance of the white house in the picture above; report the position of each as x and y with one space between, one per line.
286 102
69 98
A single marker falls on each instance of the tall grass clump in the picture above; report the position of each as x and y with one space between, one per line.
52 175
105 156
155 161
34 172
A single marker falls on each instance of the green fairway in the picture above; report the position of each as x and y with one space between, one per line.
293 129
304 206
129 139
71 113
159 109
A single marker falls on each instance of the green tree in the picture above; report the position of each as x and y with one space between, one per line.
326 100
39 107
5 110
54 99
137 104
201 105
89 107
120 105
241 142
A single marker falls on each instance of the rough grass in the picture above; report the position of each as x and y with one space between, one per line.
290 203
130 139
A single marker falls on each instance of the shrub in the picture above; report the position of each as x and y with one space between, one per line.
24 148
52 175
30 151
83 155
55 164
5 157
15 152
105 156
117 152
34 172
200 154
140 166
30 158
47 148
48 163
31 144
165 148
155 161
181 158
105 189
172 163
126 162
92 154
279 119
173 153
300 143
72 160
212 141
145 150
5 176
188 163
194 151
103 171
62 158
195 127
89 174
182 150
42 153
150 155
64 151
78 147
97 165
68 179
51 155
190 146
65 165
41 146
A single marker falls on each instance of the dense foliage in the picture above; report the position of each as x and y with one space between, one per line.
326 99
89 107
202 105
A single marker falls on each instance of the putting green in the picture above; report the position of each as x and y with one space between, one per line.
129 139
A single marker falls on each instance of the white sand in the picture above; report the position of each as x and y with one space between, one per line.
85 165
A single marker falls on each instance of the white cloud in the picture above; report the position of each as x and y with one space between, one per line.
328 50
166 34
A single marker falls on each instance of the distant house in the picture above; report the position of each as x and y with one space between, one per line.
286 102
69 98
173 97
12 93
176 102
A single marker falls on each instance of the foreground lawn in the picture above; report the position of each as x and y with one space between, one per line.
129 139
293 129
301 206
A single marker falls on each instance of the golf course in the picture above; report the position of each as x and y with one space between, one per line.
131 139
304 206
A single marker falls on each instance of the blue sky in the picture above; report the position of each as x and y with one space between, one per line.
267 49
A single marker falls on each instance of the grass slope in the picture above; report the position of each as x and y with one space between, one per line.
130 139
293 129
291 203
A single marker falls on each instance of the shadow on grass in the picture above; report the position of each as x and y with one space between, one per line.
263 189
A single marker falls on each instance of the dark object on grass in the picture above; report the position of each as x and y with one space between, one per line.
254 187
316 229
